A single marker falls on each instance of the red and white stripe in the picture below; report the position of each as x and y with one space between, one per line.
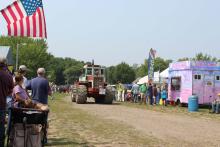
14 12
31 26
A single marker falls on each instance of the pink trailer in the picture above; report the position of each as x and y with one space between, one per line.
201 78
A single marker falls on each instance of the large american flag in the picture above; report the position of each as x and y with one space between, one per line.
25 18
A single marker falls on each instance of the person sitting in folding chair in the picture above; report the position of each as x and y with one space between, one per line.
22 98
215 105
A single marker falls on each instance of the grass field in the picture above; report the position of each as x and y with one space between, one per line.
73 127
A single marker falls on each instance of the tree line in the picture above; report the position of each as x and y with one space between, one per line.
34 54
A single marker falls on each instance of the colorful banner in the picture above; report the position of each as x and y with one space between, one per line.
151 58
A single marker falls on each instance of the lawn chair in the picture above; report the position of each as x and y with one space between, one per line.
26 119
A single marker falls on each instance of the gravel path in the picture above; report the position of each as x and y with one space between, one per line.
174 129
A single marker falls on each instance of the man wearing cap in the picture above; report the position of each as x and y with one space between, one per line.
40 87
6 87
215 104
23 71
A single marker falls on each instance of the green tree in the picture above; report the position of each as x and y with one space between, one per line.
184 59
110 72
124 73
204 57
161 64
34 55
142 70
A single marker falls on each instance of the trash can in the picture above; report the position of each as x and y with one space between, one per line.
193 103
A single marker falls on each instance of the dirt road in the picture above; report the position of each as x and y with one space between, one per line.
173 129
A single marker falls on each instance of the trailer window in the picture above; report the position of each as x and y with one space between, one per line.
197 77
175 83
217 78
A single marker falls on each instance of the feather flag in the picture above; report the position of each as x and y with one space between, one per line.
152 55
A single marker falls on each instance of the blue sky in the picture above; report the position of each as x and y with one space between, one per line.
112 31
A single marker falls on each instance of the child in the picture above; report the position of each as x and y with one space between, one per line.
164 96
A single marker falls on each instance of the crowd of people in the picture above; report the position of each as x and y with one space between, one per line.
14 92
146 93
152 94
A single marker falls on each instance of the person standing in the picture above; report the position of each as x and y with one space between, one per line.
135 91
150 94
40 87
164 96
158 95
154 94
6 88
216 104
143 90
119 89
123 93
23 71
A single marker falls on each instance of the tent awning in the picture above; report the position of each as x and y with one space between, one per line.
6 52
158 77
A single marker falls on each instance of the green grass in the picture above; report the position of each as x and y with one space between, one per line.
202 113
70 126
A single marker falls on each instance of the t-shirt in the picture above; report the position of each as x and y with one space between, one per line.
164 94
120 87
6 86
143 88
40 89
154 91
150 90
19 90
135 89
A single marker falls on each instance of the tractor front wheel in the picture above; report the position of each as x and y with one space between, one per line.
81 96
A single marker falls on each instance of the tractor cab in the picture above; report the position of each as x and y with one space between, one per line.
94 75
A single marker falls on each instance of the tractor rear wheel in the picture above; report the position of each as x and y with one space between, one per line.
81 95
109 96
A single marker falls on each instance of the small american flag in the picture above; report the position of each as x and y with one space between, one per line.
25 18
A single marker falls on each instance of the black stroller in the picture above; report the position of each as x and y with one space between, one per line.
27 120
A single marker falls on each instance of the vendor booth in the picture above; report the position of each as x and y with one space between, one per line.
200 78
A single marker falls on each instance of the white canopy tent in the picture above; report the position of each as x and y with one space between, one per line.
158 77
143 80
165 73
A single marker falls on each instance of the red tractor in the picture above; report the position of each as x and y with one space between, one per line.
92 83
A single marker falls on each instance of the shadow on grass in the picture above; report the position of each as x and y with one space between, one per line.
64 142
114 103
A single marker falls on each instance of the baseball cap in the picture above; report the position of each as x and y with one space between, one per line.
23 68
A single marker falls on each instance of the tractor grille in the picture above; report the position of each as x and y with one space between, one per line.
98 81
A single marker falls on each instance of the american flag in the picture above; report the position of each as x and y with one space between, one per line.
25 18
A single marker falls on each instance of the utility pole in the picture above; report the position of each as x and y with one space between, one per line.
17 52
